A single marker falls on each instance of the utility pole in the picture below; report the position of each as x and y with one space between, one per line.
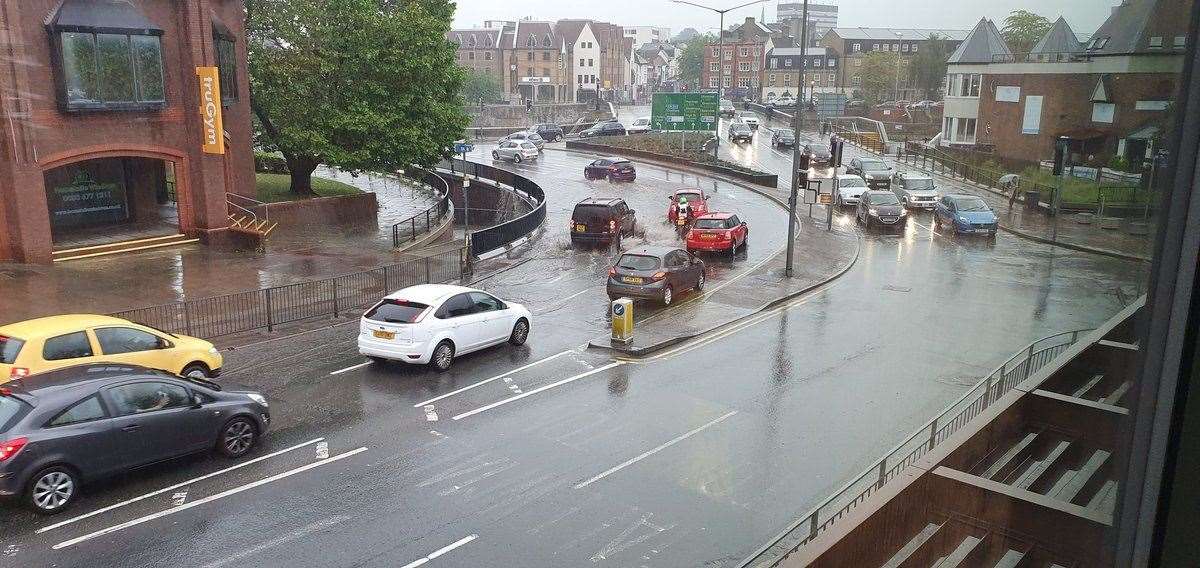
798 176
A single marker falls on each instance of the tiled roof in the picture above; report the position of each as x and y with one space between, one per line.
982 45
909 34
1060 39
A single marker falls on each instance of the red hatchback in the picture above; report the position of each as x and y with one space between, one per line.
717 232
697 203
614 169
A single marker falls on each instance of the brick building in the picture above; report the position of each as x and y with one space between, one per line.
851 46
782 73
480 50
104 131
740 66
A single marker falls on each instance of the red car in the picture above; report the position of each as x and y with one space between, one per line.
717 232
697 203
614 169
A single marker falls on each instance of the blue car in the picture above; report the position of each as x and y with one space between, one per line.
966 214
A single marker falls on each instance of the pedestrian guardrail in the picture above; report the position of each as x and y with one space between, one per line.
487 240
268 308
425 221
1014 371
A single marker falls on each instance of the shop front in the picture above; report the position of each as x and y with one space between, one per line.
106 200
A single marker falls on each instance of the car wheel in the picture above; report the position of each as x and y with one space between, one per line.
195 371
443 356
517 158
52 490
667 296
495 155
237 437
519 333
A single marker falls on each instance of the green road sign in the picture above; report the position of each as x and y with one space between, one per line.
684 111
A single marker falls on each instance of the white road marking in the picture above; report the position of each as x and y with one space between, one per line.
430 413
322 451
485 381
179 498
176 486
649 453
350 368
303 532
537 390
209 499
441 551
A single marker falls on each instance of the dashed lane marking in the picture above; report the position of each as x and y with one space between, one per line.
350 368
485 381
537 390
660 448
441 551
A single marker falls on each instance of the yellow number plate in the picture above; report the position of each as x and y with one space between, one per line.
631 279
708 237
389 335
580 228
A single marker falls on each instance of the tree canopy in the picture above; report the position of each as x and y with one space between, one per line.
691 59
929 66
1023 29
878 75
480 85
354 84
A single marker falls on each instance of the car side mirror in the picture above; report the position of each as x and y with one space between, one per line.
197 401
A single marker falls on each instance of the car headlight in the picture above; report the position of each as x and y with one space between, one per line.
964 221
903 211
873 212
214 351
257 398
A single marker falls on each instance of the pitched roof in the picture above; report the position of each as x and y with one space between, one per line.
1130 26
1060 39
983 45
809 52
909 34
484 38
569 30
539 30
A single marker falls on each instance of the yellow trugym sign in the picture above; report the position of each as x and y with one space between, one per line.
210 110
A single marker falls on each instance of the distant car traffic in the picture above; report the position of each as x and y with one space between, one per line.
783 102
526 136
726 108
740 132
849 189
549 131
639 125
434 323
610 128
717 232
783 137
68 427
915 190
601 219
966 214
43 344
612 169
750 120
696 199
880 209
874 171
514 151
818 154
655 273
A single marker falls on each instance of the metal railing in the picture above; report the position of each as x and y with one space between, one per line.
247 205
425 221
268 308
1015 370
486 240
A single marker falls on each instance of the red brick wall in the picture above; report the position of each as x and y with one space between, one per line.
754 74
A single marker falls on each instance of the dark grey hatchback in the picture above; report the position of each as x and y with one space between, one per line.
655 273
64 428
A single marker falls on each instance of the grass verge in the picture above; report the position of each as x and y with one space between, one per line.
273 188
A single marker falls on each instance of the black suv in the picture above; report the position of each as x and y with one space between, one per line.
611 128
551 132
601 219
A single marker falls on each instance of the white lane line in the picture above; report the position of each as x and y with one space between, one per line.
176 486
209 499
303 532
649 453
350 368
537 390
485 381
441 551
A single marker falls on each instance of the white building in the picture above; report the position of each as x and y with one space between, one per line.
643 35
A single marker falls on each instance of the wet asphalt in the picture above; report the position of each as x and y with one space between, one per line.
552 455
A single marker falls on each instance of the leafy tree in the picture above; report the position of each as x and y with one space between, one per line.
1023 29
480 85
355 84
929 66
878 75
685 35
691 59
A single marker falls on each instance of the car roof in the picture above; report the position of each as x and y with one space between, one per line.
689 190
914 175
49 383
428 293
965 196
606 201
652 250
614 158
849 176
54 325
717 215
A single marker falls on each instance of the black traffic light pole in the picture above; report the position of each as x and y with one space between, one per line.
799 158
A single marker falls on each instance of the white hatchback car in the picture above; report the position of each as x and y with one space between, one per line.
434 323
849 189
751 120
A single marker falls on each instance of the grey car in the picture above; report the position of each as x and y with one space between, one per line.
877 173
783 137
655 273
527 136
65 428
880 209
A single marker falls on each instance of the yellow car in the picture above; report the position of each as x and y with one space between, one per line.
39 345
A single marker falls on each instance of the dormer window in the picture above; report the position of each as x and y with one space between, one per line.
115 64
471 41
1156 42
531 42
546 42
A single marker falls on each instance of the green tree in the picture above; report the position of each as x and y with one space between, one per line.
480 85
929 66
691 59
355 84
1023 29
878 75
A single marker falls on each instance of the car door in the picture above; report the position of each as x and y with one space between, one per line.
494 317
128 345
74 348
855 167
466 327
942 209
693 266
625 215
738 229
156 420
83 432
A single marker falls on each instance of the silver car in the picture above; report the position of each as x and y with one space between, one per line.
515 151
527 136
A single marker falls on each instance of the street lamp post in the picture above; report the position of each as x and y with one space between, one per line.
901 38
798 177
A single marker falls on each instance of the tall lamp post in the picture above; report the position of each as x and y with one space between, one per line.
720 57
798 177
901 38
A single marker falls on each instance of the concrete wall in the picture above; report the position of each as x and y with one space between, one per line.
347 209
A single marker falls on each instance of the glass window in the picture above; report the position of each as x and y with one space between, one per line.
486 302
396 311
111 70
79 67
147 54
114 340
139 398
10 347
69 346
117 79
85 410
457 306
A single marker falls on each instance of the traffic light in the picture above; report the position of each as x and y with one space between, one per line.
835 151
529 105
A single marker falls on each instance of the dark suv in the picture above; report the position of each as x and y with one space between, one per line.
601 219
551 132
64 428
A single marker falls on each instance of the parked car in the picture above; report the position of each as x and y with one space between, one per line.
514 151
726 108
601 219
966 214
639 126
880 209
751 121
697 203
915 190
849 189
781 137
739 132
876 172
612 169
818 154
610 128
783 102
43 344
655 273
548 131
717 232
923 105
69 427
526 136
434 323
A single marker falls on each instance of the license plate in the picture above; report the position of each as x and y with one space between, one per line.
983 230
708 237
580 228
680 221
388 335
631 279
888 219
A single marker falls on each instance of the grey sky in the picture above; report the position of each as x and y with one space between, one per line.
1083 15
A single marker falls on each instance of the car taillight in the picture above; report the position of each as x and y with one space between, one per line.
18 372
727 235
659 275
11 448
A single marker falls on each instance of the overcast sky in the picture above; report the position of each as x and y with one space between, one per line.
1083 15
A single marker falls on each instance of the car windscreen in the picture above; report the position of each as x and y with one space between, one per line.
739 128
710 224
918 183
851 181
591 213
638 262
396 311
9 348
873 166
884 199
784 132
971 204
690 196
622 164
11 410
819 150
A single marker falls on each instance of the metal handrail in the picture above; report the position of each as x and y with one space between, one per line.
229 202
1012 372
432 214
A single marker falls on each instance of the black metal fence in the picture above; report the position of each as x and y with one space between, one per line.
486 240
270 307
409 229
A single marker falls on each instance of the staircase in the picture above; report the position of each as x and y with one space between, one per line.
244 216
121 247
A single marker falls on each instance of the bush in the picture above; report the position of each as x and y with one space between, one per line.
267 162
